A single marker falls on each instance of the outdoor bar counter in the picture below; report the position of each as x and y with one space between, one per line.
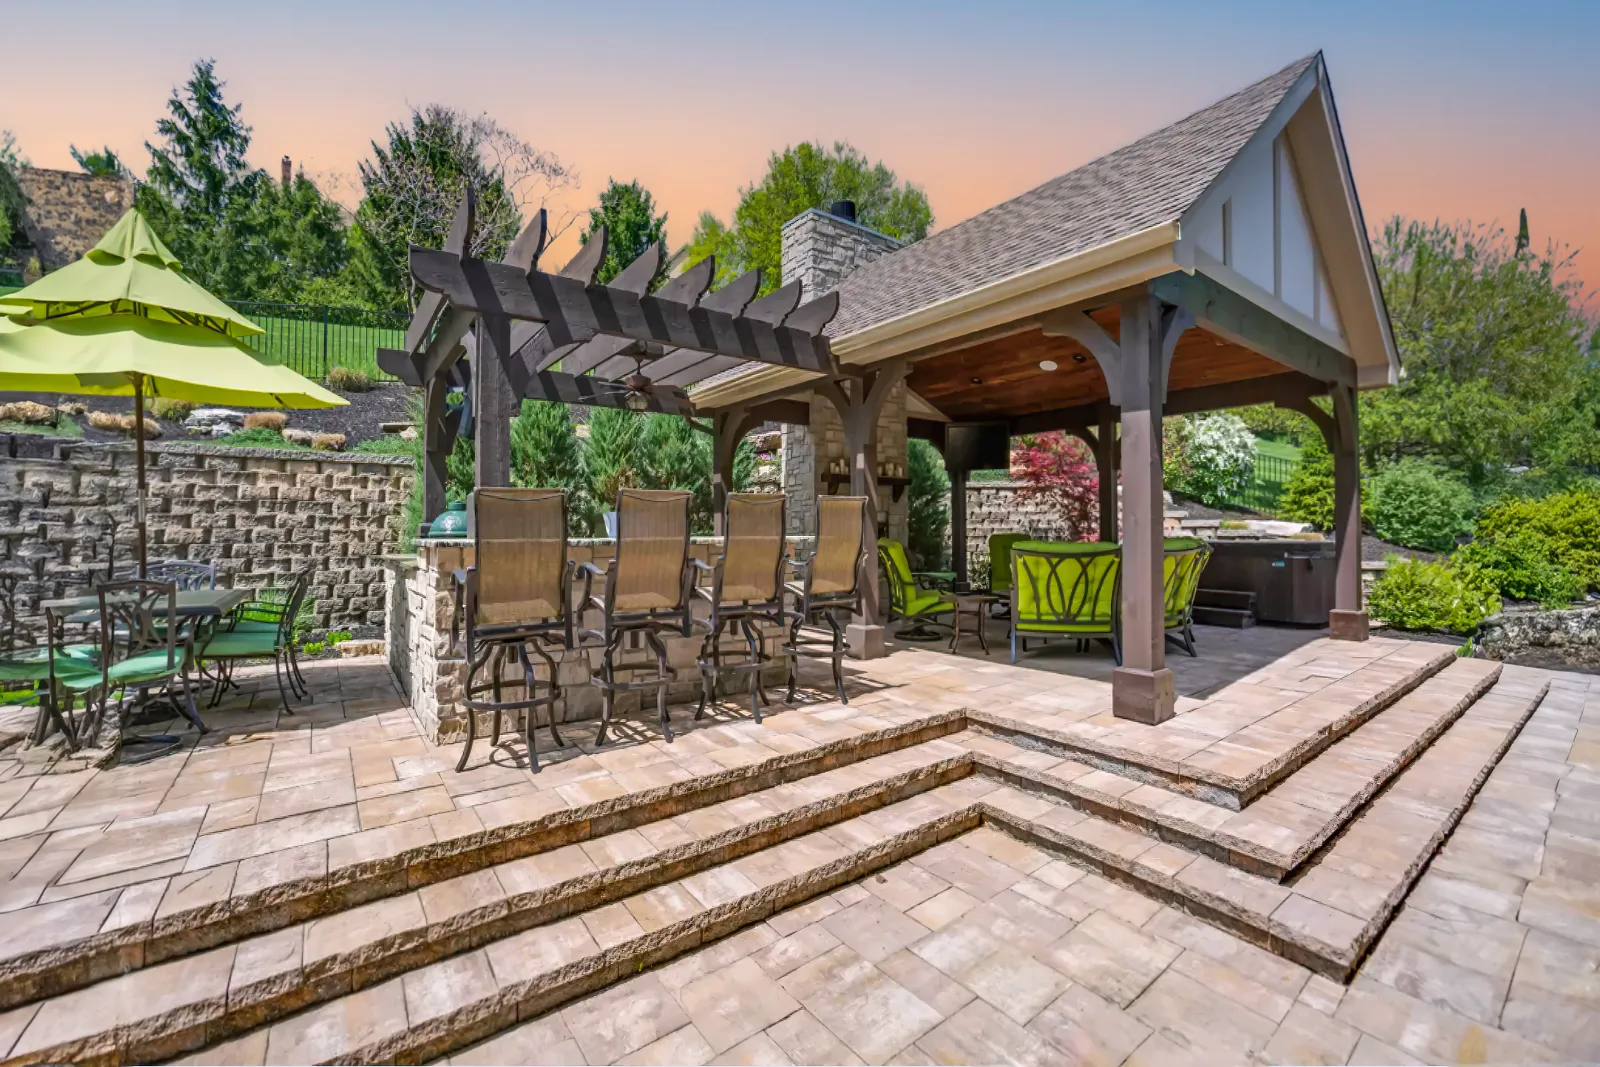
420 594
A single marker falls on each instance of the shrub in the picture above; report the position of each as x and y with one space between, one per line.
34 414
674 455
611 456
172 410
1218 458
266 420
1522 566
1415 504
1417 594
1569 521
105 420
349 380
328 442
313 648
256 439
928 518
389 444
336 636
1308 494
302 438
1059 470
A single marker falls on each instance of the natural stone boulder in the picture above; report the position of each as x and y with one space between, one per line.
28 411
1569 636
214 422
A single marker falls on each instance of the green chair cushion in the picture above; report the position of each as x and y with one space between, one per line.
30 664
236 645
151 666
253 626
1064 587
929 602
1000 560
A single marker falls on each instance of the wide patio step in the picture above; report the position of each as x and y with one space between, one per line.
1240 743
226 892
411 984
1331 911
1279 830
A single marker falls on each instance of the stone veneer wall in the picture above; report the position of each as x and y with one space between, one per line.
431 672
68 212
260 515
820 250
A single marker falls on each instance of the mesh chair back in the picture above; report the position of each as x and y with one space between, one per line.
754 549
652 549
1183 561
521 554
841 529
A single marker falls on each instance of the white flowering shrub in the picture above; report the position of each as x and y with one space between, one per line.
1219 454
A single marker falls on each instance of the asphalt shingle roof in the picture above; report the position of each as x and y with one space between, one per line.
1147 183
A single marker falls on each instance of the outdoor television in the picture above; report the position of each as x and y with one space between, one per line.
977 446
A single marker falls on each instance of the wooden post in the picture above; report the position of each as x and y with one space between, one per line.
1347 621
1105 458
1142 688
958 526
435 456
492 400
730 428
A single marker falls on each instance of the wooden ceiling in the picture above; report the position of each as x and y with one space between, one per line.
1002 378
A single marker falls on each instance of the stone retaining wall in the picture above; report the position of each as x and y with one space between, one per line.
1565 637
260 515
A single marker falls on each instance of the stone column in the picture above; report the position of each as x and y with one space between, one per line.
1142 688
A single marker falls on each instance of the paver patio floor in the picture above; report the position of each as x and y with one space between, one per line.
981 949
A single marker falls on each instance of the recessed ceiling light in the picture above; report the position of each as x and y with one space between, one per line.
977 381
1047 364
1079 357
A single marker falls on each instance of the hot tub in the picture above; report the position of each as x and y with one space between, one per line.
1292 579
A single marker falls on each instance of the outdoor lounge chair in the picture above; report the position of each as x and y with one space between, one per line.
828 582
646 592
226 647
908 599
516 596
746 588
1065 590
1000 569
1183 559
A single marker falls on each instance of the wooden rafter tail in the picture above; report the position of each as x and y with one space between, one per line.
637 276
529 245
776 305
734 297
583 266
457 240
401 364
690 286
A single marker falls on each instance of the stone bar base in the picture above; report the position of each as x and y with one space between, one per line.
1143 696
1347 625
421 601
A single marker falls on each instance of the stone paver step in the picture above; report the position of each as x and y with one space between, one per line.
437 1005
266 876
1235 746
1332 911
1279 830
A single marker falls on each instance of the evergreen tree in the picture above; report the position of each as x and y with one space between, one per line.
546 453
674 455
103 162
611 456
928 518
628 212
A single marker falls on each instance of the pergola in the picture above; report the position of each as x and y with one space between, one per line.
1219 262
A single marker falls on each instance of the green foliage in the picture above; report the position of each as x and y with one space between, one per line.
103 162
546 454
236 232
313 648
164 407
1419 595
12 200
611 455
1522 566
1569 522
1214 457
348 380
928 518
805 176
1418 505
389 444
628 212
414 183
1491 346
1308 495
1268 420
674 455
336 636
258 439
460 471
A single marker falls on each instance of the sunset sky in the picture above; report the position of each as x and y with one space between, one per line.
1460 110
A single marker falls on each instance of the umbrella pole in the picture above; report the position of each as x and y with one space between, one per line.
138 448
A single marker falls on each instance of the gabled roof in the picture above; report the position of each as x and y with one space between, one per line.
1144 184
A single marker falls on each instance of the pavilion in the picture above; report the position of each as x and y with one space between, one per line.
1218 262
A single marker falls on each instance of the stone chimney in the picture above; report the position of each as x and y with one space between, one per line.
288 173
821 249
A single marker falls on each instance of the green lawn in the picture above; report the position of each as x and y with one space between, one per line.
1280 449
302 346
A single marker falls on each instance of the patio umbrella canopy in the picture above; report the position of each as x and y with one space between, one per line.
126 321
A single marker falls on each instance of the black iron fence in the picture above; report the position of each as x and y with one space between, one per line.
1268 475
311 338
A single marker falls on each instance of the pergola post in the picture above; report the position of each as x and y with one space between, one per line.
1142 688
492 398
1347 621
859 402
958 526
728 429
1105 459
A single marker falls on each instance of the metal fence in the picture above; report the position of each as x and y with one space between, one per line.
311 338
1268 475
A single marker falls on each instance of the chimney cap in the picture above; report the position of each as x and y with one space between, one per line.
844 209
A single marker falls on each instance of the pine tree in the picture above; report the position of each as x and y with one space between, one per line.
674 455
611 456
546 453
628 212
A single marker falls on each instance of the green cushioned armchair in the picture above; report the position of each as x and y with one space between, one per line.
1182 561
1065 590
908 599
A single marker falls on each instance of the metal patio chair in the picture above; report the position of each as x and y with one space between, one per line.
746 588
909 599
183 573
828 583
1065 590
223 649
516 597
646 592
1182 559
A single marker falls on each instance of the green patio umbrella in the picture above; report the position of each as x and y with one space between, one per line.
126 321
